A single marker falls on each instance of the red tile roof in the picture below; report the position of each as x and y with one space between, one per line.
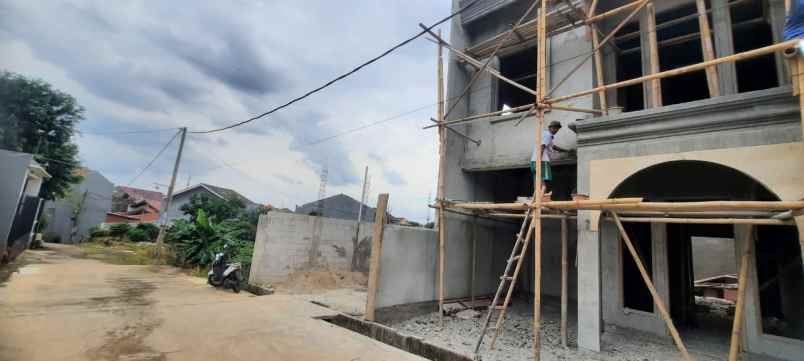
153 198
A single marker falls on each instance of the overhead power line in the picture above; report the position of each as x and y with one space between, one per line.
154 159
340 77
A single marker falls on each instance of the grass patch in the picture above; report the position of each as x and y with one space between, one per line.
122 253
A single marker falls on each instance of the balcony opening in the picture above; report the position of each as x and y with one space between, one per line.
520 67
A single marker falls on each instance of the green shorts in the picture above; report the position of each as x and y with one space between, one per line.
547 173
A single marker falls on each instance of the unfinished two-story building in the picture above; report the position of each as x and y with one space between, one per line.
728 132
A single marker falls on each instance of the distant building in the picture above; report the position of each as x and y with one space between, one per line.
21 179
86 206
184 196
338 206
135 205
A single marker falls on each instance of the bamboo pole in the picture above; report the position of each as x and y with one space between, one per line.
683 70
442 144
635 204
536 222
656 299
753 221
601 95
376 255
742 282
612 12
654 86
474 262
708 48
564 270
800 82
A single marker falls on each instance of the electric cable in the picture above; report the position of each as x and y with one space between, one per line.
340 77
154 158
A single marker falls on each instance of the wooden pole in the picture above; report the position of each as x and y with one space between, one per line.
442 144
564 270
708 49
536 222
656 299
655 85
635 204
376 254
742 281
683 70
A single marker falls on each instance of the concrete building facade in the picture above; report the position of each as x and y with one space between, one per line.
679 145
21 179
84 207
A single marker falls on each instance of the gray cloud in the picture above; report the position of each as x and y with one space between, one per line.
229 58
394 178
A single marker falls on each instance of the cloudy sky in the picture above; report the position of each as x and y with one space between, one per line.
150 65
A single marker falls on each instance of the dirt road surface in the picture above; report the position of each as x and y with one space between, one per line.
59 306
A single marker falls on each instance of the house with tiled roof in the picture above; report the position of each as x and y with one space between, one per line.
135 205
182 197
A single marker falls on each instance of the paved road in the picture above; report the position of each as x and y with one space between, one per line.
62 307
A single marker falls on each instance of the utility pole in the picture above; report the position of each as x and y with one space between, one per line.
160 239
356 241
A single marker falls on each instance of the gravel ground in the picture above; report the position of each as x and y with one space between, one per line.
515 343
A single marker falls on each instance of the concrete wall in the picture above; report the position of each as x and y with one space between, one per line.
13 171
713 257
96 204
284 244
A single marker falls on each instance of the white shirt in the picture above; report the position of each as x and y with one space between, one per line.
547 141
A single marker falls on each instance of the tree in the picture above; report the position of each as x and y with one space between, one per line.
37 119
215 208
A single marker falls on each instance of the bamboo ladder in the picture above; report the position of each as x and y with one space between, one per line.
507 279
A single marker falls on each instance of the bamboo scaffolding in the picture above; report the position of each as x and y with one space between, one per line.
699 212
636 204
742 282
536 222
654 88
515 110
564 270
679 71
442 144
670 220
656 299
708 48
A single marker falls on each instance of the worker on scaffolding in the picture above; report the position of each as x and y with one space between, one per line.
547 148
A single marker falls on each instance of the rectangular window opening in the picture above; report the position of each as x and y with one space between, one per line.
520 67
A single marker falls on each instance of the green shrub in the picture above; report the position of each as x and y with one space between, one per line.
97 232
137 235
119 229
51 237
151 231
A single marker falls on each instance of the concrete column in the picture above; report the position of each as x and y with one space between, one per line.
660 268
724 45
776 15
589 302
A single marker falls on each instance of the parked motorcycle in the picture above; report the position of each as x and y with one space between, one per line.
223 274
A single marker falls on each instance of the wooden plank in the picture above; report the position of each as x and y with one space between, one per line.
564 270
442 153
742 282
708 49
764 222
656 299
679 71
376 254
654 89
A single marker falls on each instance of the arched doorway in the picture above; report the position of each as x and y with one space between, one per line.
681 254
